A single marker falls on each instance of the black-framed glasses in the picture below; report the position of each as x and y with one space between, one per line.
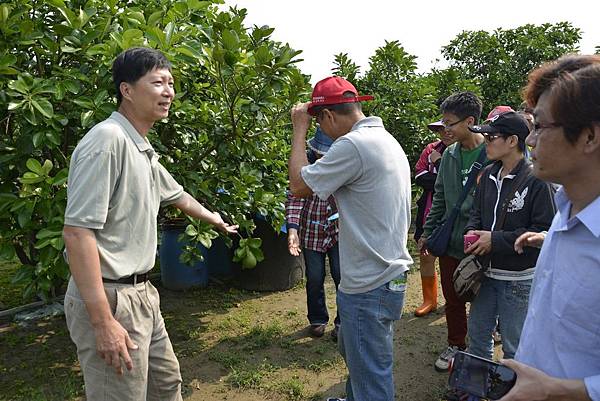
492 137
448 126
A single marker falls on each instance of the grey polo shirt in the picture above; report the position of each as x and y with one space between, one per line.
368 173
115 188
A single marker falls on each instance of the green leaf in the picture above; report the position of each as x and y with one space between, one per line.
262 55
53 137
254 243
38 139
24 274
46 233
20 85
169 29
15 105
154 18
258 254
85 103
31 178
43 106
61 177
206 242
72 86
47 166
86 117
57 243
230 40
56 3
24 216
7 60
157 36
8 71
191 231
7 251
136 16
4 12
132 37
35 166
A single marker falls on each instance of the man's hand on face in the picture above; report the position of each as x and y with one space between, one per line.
300 118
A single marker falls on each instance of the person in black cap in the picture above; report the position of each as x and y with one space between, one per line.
509 201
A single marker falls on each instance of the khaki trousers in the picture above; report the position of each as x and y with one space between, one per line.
155 374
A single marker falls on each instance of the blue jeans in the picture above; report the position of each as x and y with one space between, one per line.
366 341
315 277
503 300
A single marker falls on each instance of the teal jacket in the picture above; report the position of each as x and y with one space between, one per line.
448 187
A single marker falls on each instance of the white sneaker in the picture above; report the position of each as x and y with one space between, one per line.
443 362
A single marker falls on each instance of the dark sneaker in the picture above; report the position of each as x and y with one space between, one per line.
443 362
334 333
336 399
317 330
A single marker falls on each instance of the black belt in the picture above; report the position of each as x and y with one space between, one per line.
133 279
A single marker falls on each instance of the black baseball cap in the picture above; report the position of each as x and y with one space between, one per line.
509 123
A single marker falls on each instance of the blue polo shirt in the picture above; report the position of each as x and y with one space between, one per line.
561 335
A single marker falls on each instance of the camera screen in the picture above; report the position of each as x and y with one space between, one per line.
480 377
471 375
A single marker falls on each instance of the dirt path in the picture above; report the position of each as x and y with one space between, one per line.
259 350
232 345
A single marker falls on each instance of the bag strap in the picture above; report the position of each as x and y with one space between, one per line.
477 165
516 183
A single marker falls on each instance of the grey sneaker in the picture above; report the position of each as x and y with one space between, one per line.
443 362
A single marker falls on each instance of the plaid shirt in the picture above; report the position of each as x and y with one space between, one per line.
310 216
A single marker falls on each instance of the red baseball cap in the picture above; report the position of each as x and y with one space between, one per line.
331 91
496 111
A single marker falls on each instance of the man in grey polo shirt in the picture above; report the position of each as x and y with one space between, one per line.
116 186
369 175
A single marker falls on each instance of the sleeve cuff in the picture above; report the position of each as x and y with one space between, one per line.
292 225
592 385
92 225
307 180
173 198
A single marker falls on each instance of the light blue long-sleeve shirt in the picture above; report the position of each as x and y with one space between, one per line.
561 335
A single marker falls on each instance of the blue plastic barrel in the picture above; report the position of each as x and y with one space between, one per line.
176 275
218 259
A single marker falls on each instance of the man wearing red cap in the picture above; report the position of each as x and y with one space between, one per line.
367 171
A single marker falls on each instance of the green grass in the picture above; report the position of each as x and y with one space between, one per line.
262 336
292 388
250 377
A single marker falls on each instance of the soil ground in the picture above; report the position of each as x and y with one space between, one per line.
233 345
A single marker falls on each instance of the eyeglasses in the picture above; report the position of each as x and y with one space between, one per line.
448 126
538 128
492 137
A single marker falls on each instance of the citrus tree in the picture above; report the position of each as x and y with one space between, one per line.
500 61
225 139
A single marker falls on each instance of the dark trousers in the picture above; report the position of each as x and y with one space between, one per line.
456 312
315 277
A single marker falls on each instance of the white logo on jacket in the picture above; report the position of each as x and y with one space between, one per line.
518 201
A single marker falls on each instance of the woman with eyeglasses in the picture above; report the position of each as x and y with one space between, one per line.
509 201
